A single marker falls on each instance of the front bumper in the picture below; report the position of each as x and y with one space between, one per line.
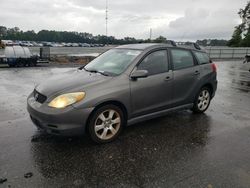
69 121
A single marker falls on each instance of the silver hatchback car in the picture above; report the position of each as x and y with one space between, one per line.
123 86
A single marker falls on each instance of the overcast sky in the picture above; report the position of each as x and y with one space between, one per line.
174 19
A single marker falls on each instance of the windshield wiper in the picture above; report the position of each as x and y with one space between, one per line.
97 71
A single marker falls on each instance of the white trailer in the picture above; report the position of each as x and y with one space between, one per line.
16 56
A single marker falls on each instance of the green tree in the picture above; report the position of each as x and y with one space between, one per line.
241 35
160 39
3 32
236 38
246 41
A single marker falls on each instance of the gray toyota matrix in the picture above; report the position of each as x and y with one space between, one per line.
123 86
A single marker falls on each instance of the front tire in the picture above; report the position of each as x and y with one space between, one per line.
106 124
202 100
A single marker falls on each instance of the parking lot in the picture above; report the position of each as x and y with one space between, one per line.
178 150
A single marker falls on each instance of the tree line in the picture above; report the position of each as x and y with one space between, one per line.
241 35
68 37
83 37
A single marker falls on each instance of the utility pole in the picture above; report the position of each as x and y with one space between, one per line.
150 34
106 18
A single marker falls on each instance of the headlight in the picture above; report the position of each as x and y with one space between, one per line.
67 99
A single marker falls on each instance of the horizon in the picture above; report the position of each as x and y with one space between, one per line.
109 36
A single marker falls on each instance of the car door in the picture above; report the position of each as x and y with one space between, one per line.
186 75
154 92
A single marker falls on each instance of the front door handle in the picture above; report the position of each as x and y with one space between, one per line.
197 72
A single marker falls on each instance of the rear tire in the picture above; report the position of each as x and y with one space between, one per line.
106 124
202 100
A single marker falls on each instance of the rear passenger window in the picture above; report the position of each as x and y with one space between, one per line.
201 57
155 63
182 59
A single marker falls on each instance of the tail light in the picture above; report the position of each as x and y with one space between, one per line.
214 68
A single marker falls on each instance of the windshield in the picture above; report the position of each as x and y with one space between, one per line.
113 62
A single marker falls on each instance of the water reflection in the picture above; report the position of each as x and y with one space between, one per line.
240 74
143 153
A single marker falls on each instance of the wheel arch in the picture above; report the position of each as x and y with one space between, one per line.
114 102
209 86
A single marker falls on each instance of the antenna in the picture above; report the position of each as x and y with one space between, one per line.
150 34
106 18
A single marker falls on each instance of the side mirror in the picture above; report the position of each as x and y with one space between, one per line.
139 74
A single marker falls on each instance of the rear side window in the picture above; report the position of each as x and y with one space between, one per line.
155 63
201 57
182 59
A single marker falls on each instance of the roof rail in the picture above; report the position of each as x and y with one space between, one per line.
191 45
171 42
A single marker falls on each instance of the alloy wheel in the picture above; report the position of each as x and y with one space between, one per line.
203 100
107 124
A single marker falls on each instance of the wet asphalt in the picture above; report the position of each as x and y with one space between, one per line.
179 150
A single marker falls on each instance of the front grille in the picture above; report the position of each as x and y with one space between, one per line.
39 97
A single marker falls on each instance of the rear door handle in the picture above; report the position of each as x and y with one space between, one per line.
167 78
196 72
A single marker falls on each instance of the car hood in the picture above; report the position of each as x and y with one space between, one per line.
71 81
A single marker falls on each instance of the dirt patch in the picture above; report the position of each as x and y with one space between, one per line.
72 59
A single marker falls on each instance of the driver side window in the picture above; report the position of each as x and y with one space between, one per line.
155 63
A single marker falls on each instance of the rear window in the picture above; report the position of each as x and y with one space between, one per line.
182 59
201 57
